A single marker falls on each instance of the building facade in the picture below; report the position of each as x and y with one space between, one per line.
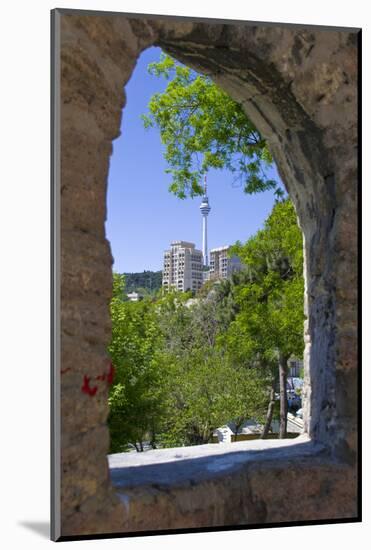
221 265
183 267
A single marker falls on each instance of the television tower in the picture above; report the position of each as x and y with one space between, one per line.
205 209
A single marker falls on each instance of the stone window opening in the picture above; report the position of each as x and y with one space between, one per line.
281 75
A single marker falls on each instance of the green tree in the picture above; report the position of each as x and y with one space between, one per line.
206 388
201 127
186 366
137 400
147 282
268 327
205 392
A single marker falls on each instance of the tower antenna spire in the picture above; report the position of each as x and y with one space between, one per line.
205 209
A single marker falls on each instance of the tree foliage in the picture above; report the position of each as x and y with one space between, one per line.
208 389
201 128
146 282
269 326
271 295
185 367
173 384
137 399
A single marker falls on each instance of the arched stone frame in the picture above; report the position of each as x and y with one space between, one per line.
300 88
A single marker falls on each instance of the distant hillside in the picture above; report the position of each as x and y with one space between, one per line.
148 280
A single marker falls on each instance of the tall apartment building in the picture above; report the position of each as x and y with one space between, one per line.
221 265
183 267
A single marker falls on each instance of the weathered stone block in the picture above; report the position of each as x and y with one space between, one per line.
299 86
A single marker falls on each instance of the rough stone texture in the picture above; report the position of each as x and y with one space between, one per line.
300 89
232 484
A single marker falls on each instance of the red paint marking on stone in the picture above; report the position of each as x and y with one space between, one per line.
109 375
85 388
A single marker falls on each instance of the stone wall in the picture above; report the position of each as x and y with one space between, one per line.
300 89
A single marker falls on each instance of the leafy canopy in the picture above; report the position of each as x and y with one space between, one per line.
137 402
173 384
206 389
184 368
271 298
201 128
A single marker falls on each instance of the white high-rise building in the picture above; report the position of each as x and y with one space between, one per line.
205 210
221 265
182 267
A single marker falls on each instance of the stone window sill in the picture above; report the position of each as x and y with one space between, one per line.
242 483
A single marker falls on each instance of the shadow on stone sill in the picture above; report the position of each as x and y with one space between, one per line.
195 469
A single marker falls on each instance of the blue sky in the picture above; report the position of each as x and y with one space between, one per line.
142 216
